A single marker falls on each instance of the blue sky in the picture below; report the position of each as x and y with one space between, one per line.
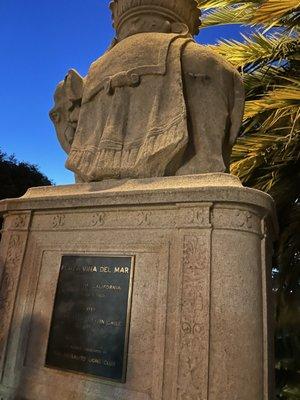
40 40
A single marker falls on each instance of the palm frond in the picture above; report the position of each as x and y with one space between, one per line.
271 12
240 14
215 4
258 49
282 121
292 392
259 159
262 79
285 97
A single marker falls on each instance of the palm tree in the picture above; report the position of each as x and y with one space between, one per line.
267 156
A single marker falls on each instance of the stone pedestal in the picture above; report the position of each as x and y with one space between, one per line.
199 326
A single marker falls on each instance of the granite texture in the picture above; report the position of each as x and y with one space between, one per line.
200 320
156 103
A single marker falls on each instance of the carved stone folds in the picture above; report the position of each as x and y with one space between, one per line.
200 320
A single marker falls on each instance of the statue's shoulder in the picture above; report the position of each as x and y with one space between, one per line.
197 56
138 46
139 54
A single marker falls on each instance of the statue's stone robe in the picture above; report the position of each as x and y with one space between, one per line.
135 121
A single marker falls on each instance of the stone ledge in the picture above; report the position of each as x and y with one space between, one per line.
137 185
193 188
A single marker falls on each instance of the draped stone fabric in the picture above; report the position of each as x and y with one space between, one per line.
133 118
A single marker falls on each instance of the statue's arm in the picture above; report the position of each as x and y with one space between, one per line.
65 114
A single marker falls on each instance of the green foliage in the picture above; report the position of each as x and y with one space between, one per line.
267 156
16 177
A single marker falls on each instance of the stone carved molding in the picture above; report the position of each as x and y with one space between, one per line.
8 287
193 357
192 253
20 221
97 219
58 221
198 216
144 218
193 329
17 222
13 252
242 219
176 217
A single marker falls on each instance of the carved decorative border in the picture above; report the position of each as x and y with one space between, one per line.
17 222
195 312
8 288
16 226
236 219
176 217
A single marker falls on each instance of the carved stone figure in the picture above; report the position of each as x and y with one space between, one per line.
155 104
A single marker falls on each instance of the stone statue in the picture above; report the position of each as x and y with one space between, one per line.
155 104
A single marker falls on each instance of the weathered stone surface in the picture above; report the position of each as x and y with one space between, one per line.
155 104
199 321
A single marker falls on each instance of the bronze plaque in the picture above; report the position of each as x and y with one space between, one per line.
90 322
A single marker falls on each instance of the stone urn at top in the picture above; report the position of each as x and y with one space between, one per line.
155 104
